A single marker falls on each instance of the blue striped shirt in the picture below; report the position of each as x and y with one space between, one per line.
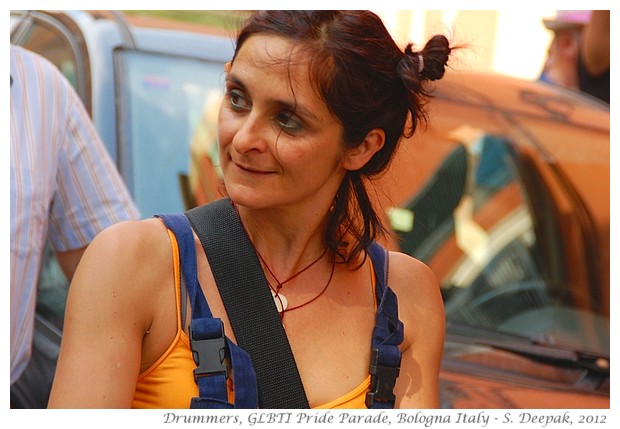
64 185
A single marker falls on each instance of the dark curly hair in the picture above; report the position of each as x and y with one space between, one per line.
367 82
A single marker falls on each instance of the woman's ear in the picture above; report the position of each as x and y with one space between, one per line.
357 157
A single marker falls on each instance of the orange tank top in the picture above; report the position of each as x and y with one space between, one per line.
169 382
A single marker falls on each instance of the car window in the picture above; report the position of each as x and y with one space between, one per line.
476 226
162 100
51 40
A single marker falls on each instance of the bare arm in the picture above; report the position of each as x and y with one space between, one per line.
421 310
595 51
100 354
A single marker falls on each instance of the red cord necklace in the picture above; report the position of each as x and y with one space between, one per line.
279 299
279 283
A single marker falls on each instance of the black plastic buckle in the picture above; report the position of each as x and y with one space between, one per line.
382 380
209 354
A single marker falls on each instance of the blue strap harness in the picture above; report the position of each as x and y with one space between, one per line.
214 353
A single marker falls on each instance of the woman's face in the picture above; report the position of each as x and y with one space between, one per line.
279 144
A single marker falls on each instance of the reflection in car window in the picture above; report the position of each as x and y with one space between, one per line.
48 41
474 226
162 101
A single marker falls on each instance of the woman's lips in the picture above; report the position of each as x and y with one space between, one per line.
250 169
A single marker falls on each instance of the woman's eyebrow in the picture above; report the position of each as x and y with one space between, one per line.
230 78
298 109
284 104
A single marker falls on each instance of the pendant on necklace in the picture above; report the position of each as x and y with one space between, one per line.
280 300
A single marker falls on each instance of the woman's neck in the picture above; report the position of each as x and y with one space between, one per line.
286 239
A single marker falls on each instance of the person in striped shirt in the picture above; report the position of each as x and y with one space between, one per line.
65 187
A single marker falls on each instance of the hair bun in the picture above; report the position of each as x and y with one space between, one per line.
430 63
435 57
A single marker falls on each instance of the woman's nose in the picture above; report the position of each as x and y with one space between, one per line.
253 134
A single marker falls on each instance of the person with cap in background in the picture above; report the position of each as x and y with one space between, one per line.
579 54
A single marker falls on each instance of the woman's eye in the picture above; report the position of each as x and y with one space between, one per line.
288 122
238 101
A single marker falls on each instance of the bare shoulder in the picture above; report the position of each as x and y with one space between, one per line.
125 271
115 299
131 233
419 296
410 277
130 252
130 241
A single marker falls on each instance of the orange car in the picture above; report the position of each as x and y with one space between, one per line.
506 196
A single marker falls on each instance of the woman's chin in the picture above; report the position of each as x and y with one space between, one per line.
247 196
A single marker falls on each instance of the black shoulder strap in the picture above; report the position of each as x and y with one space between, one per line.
249 304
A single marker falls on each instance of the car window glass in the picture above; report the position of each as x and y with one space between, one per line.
46 40
474 225
162 101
